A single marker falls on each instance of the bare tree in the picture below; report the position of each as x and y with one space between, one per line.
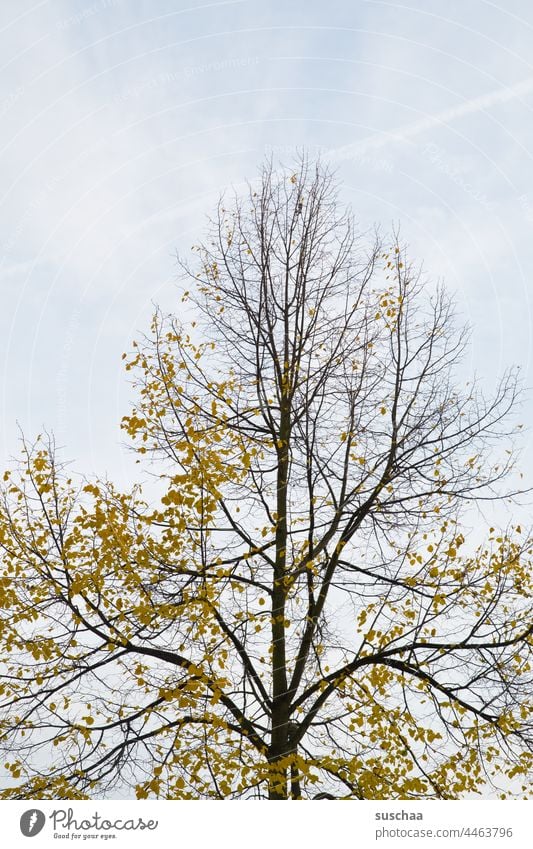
296 616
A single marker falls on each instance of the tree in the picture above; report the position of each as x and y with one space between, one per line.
295 617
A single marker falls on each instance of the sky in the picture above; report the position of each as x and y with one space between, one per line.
121 121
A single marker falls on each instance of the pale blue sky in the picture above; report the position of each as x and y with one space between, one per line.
122 120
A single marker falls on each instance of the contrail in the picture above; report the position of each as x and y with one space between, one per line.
477 104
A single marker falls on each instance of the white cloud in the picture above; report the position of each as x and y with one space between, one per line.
121 126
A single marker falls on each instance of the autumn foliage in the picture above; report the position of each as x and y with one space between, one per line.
299 606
